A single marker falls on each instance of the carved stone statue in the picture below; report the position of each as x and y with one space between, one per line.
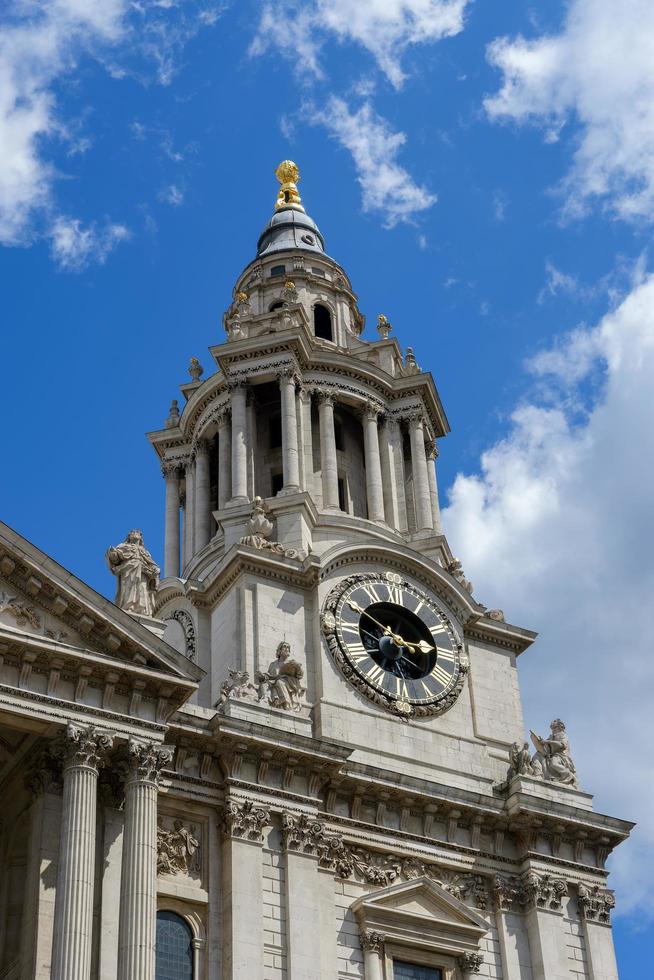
137 574
281 684
237 685
258 529
552 760
520 760
176 849
455 568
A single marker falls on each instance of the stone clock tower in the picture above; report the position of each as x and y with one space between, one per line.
316 769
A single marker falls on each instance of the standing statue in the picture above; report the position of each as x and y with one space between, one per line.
282 682
552 760
137 575
520 760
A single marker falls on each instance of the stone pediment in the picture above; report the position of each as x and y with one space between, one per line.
421 913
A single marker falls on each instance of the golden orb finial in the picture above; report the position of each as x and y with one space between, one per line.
288 176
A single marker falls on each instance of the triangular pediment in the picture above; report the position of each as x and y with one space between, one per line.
52 609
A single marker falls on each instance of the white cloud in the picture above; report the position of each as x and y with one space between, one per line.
598 72
41 43
557 282
557 530
387 187
386 28
74 247
172 194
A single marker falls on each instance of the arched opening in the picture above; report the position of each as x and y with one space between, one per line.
322 322
277 305
174 950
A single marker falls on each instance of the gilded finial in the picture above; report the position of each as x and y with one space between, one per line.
288 176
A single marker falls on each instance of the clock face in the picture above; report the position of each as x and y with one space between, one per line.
395 643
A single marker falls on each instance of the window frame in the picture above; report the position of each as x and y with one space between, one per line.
195 921
418 957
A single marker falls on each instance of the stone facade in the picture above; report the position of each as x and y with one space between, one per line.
210 770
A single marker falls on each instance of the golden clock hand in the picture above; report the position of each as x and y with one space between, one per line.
364 612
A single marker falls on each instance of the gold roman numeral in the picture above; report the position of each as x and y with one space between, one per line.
395 594
445 654
401 688
375 674
441 675
370 592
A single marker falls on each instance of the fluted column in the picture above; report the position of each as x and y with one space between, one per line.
189 512
202 496
328 460
290 460
432 455
73 918
372 944
138 885
171 544
374 486
224 459
239 443
424 519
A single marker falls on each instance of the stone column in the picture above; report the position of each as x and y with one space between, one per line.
542 897
305 440
239 443
432 456
138 886
290 460
202 496
224 459
328 461
424 519
171 544
372 944
251 453
374 486
387 452
595 906
71 953
189 512
242 890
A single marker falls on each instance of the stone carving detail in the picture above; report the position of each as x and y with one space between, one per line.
383 326
137 575
455 568
370 939
552 760
302 833
178 849
258 529
506 891
43 770
281 685
402 709
83 746
185 620
411 366
520 760
144 761
237 685
496 614
595 903
237 314
470 962
195 369
245 820
18 608
289 295
541 891
173 415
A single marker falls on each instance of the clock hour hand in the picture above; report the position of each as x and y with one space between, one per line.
364 612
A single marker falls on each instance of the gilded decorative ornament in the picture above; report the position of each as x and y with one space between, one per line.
288 176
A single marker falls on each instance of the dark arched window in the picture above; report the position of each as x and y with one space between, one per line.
322 322
277 305
174 948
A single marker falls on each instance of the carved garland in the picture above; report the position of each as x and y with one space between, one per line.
402 709
186 622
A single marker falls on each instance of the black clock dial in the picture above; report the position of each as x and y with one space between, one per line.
397 639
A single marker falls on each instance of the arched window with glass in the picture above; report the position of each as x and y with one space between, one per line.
174 949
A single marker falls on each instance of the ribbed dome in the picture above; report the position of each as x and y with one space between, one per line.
290 228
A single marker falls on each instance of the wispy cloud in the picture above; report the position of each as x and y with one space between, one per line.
386 28
597 72
558 525
74 246
387 187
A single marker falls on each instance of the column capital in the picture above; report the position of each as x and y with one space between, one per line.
235 384
595 903
171 468
432 450
145 760
84 747
470 962
200 448
542 891
223 417
373 940
324 396
302 833
414 419
288 372
43 771
371 411
244 820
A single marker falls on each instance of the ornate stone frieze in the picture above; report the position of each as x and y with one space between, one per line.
470 962
371 940
302 833
258 530
595 903
136 573
24 614
185 620
541 891
244 820
178 849
281 685
144 761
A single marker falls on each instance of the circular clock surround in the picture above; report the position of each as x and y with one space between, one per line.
395 643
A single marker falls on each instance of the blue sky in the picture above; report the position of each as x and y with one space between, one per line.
485 173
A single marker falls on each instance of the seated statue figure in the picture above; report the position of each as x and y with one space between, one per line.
282 682
552 760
